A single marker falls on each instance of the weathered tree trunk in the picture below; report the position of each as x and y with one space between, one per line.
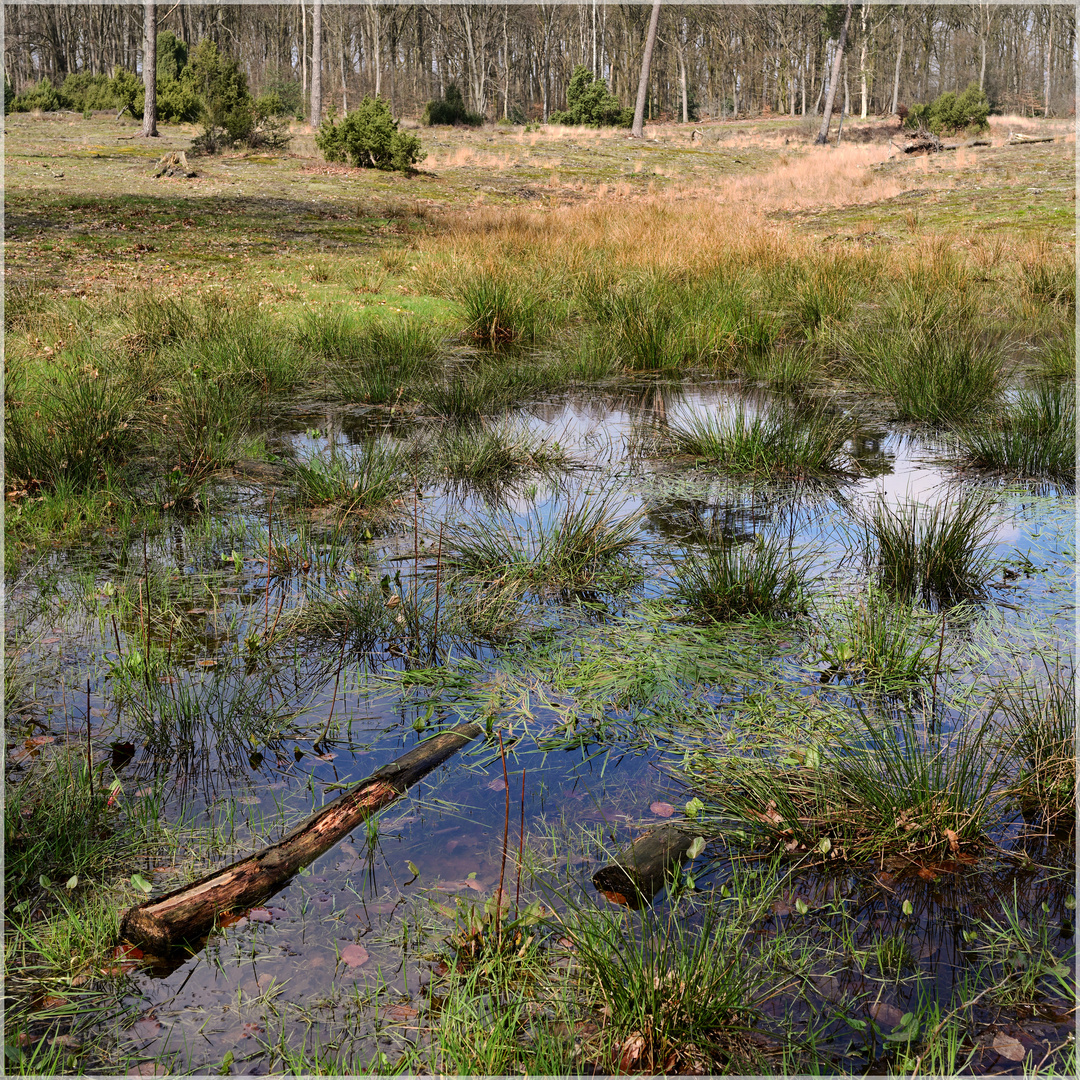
834 78
186 914
638 130
149 124
316 64
640 871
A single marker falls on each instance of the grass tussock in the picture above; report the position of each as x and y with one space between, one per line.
363 479
583 544
877 643
70 429
374 360
776 439
501 307
500 452
730 580
938 552
1034 436
678 996
930 375
894 788
1041 714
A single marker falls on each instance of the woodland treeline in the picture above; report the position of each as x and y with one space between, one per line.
516 60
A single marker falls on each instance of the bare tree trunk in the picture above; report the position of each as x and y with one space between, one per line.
823 135
316 64
149 73
303 51
896 71
638 130
863 46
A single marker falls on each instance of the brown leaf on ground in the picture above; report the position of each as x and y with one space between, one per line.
1009 1048
355 955
954 841
632 1049
662 809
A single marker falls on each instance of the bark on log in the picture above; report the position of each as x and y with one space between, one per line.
640 871
188 913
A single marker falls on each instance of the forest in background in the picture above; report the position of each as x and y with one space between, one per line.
515 61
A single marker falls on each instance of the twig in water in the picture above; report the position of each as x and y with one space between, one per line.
333 701
937 668
438 578
89 753
269 557
506 836
521 846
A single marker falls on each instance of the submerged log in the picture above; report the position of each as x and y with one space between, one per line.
640 871
188 913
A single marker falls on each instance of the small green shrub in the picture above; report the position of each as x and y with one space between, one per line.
589 103
84 92
228 113
41 96
369 138
952 112
128 92
450 109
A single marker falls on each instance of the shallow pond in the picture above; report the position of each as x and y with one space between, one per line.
601 696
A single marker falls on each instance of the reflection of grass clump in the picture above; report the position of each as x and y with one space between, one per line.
777 439
937 552
730 580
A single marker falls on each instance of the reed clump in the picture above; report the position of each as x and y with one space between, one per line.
939 552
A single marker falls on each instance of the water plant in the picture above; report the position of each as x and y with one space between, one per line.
1041 712
895 787
877 642
1034 435
584 543
932 375
775 439
938 551
356 480
484 453
731 580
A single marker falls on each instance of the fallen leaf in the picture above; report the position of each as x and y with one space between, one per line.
614 897
355 955
51 1001
886 1014
1009 1048
662 809
954 841
496 784
400 1012
632 1049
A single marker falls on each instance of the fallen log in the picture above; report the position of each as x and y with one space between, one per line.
1016 138
188 913
640 871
